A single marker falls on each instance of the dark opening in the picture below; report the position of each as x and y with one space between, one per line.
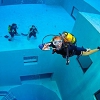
97 95
34 77
85 62
74 12
30 59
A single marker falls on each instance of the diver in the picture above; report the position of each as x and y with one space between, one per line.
32 32
12 30
66 50
68 38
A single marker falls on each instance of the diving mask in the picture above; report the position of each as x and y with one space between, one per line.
57 42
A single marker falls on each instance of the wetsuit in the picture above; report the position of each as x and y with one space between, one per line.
32 32
72 50
12 30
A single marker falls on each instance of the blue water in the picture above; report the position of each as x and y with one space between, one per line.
49 17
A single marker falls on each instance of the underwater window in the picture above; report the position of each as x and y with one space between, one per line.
35 77
97 95
85 62
30 60
74 12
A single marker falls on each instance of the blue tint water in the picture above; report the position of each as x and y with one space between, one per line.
48 20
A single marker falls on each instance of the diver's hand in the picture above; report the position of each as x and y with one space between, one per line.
46 46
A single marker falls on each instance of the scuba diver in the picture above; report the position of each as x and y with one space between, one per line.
32 32
66 49
12 30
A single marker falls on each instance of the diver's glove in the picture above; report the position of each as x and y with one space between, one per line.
41 46
45 46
